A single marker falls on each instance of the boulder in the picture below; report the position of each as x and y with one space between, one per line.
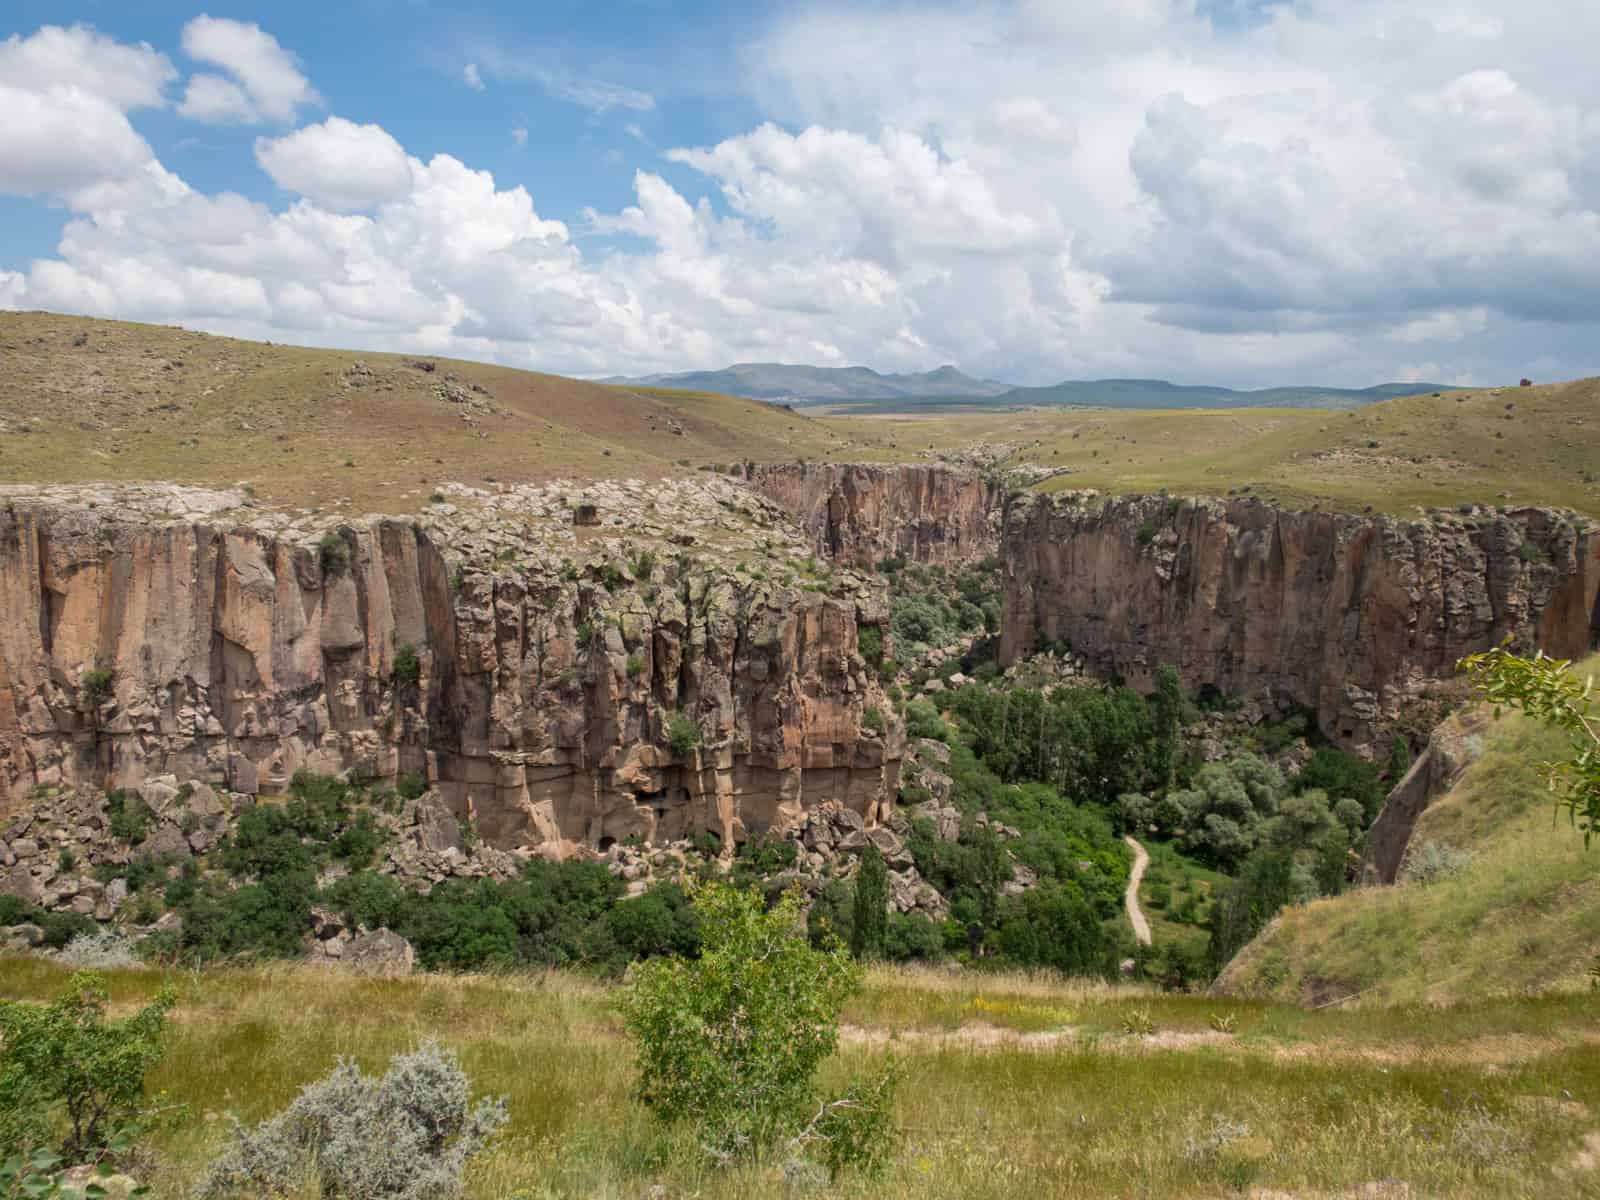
20 882
438 830
380 952
166 841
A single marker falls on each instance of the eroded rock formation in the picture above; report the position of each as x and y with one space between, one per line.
862 514
233 647
1344 615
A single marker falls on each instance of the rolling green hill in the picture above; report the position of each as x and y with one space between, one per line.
86 399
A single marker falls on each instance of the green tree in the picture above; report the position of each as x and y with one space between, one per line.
1265 884
64 1064
870 912
1548 691
1165 709
730 1042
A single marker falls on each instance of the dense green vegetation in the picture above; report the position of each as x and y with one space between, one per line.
933 605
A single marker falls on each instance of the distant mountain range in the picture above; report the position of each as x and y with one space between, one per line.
1158 393
784 382
865 390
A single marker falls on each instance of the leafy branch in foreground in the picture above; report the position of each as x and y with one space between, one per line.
1548 691
64 1064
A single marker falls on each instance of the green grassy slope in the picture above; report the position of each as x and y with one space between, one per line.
1522 916
1503 445
85 399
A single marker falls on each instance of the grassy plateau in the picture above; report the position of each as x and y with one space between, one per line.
86 399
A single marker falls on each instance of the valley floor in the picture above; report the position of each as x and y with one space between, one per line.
1013 1085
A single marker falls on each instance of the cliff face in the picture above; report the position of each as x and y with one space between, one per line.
230 653
1345 615
862 514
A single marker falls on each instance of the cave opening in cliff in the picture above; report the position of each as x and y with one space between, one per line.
606 843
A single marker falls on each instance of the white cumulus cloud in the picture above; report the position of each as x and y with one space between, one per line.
65 94
338 164
1333 190
269 82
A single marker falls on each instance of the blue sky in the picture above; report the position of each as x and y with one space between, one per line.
1238 191
400 63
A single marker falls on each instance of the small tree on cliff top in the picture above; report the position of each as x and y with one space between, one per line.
1548 690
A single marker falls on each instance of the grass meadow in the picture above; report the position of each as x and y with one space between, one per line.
1012 1085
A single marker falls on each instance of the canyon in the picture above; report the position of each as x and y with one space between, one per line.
556 633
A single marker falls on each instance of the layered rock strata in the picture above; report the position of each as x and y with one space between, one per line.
532 672
863 514
1347 616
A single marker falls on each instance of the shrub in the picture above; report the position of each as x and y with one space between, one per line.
1147 532
102 950
407 666
96 683
872 719
635 665
923 721
644 564
611 575
64 1064
411 785
920 621
406 1136
729 1043
683 735
855 1130
1430 862
870 642
333 552
358 845
129 817
266 919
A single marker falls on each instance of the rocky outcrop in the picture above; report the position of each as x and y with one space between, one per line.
1344 615
1450 751
534 684
863 514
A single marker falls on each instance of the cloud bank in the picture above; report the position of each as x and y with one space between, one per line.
1343 191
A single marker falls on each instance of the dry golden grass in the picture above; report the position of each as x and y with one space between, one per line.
1535 444
153 402
150 402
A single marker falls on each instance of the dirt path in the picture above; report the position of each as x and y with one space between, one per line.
1141 860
